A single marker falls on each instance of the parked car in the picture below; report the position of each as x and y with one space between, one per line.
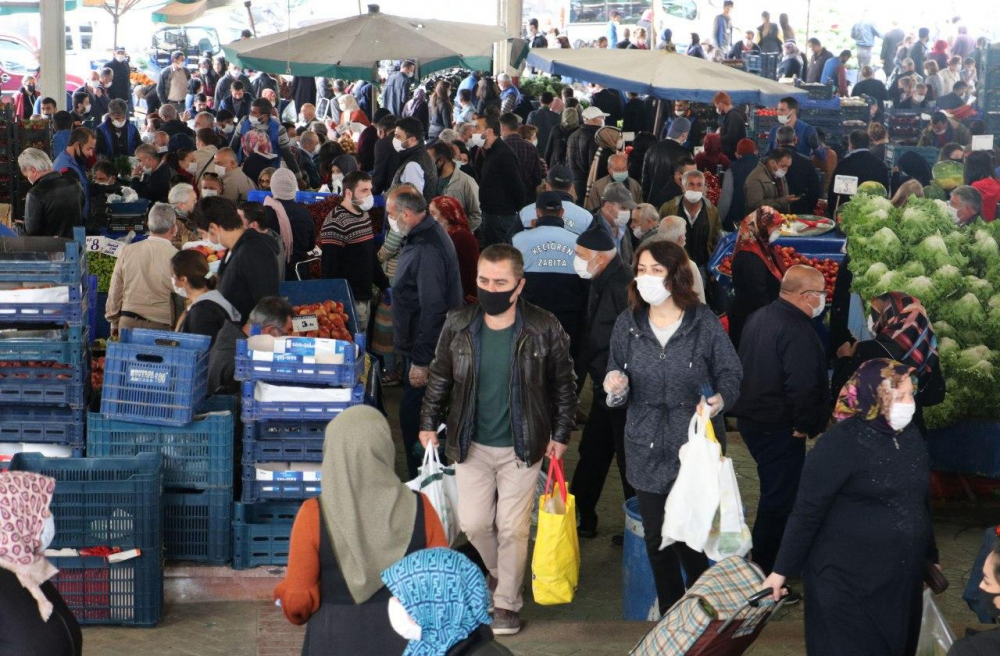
19 58
193 40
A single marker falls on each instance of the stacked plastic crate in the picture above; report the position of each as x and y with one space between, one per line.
155 384
283 439
108 518
44 345
990 90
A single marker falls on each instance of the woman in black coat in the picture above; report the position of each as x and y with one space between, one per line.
207 310
860 534
555 152
757 269
34 619
901 331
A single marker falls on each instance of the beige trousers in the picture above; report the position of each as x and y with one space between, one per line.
129 322
496 493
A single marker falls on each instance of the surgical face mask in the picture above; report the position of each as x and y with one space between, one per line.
780 173
623 217
365 204
619 176
638 232
220 170
534 142
336 177
234 73
208 193
48 532
620 144
774 236
652 289
119 58
458 163
582 268
119 124
818 310
918 99
180 291
398 145
162 149
401 621
180 211
680 112
478 139
692 196
147 137
784 118
86 109
254 121
228 129
394 225
191 167
901 414
953 213
212 241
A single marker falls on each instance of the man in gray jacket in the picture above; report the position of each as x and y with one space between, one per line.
453 182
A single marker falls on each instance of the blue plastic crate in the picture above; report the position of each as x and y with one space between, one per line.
45 386
128 593
92 305
197 455
135 208
254 410
197 526
111 502
39 424
284 486
153 376
68 345
309 197
336 375
305 292
74 312
43 259
263 444
257 196
262 533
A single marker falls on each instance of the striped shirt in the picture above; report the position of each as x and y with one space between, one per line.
342 228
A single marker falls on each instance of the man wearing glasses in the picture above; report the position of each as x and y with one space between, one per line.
784 399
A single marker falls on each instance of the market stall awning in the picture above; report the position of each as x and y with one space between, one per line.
8 7
351 48
180 12
660 74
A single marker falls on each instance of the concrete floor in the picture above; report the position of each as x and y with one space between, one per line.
590 626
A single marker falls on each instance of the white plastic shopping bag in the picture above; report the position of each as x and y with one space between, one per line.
936 637
694 499
438 483
730 534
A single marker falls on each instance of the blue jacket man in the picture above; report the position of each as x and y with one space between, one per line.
110 133
548 248
397 89
808 141
82 144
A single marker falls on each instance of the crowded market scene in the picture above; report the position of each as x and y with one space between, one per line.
322 326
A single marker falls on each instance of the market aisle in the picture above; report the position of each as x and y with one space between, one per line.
590 626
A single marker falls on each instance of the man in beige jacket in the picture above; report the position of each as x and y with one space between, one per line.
141 287
617 172
235 184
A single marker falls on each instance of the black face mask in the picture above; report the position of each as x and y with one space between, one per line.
495 303
988 599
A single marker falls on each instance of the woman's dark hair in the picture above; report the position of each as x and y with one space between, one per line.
106 167
680 280
255 213
948 150
346 164
192 265
328 152
979 166
218 210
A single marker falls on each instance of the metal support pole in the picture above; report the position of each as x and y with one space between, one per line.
53 50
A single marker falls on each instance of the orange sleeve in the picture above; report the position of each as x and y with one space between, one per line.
433 530
299 590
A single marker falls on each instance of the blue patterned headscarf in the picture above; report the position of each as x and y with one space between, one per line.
444 592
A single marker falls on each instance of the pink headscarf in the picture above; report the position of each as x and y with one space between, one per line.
24 507
283 187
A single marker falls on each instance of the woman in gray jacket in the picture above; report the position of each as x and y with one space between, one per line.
663 349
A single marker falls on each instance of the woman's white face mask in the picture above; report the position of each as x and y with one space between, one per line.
401 621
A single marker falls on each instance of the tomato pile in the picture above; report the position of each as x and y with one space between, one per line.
33 365
97 373
790 257
767 112
331 318
210 254
713 190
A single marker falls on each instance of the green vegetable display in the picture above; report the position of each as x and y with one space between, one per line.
102 266
872 188
954 272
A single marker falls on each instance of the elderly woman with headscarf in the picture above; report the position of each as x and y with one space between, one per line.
350 112
295 224
364 520
448 212
440 604
609 141
757 268
860 534
555 152
791 61
257 154
34 619
900 330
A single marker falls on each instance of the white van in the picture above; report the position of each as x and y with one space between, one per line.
587 20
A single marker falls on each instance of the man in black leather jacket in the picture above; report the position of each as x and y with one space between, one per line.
503 379
54 204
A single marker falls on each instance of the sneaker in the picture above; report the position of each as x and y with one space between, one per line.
392 379
505 622
491 585
587 528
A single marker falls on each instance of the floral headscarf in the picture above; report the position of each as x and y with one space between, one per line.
753 236
24 509
868 394
902 319
443 592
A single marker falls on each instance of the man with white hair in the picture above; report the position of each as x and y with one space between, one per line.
139 296
172 123
54 204
183 198
204 120
448 135
645 219
704 224
674 228
308 145
510 96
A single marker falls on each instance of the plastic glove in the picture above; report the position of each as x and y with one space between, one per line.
616 384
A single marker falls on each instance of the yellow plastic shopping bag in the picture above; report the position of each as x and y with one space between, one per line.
555 566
